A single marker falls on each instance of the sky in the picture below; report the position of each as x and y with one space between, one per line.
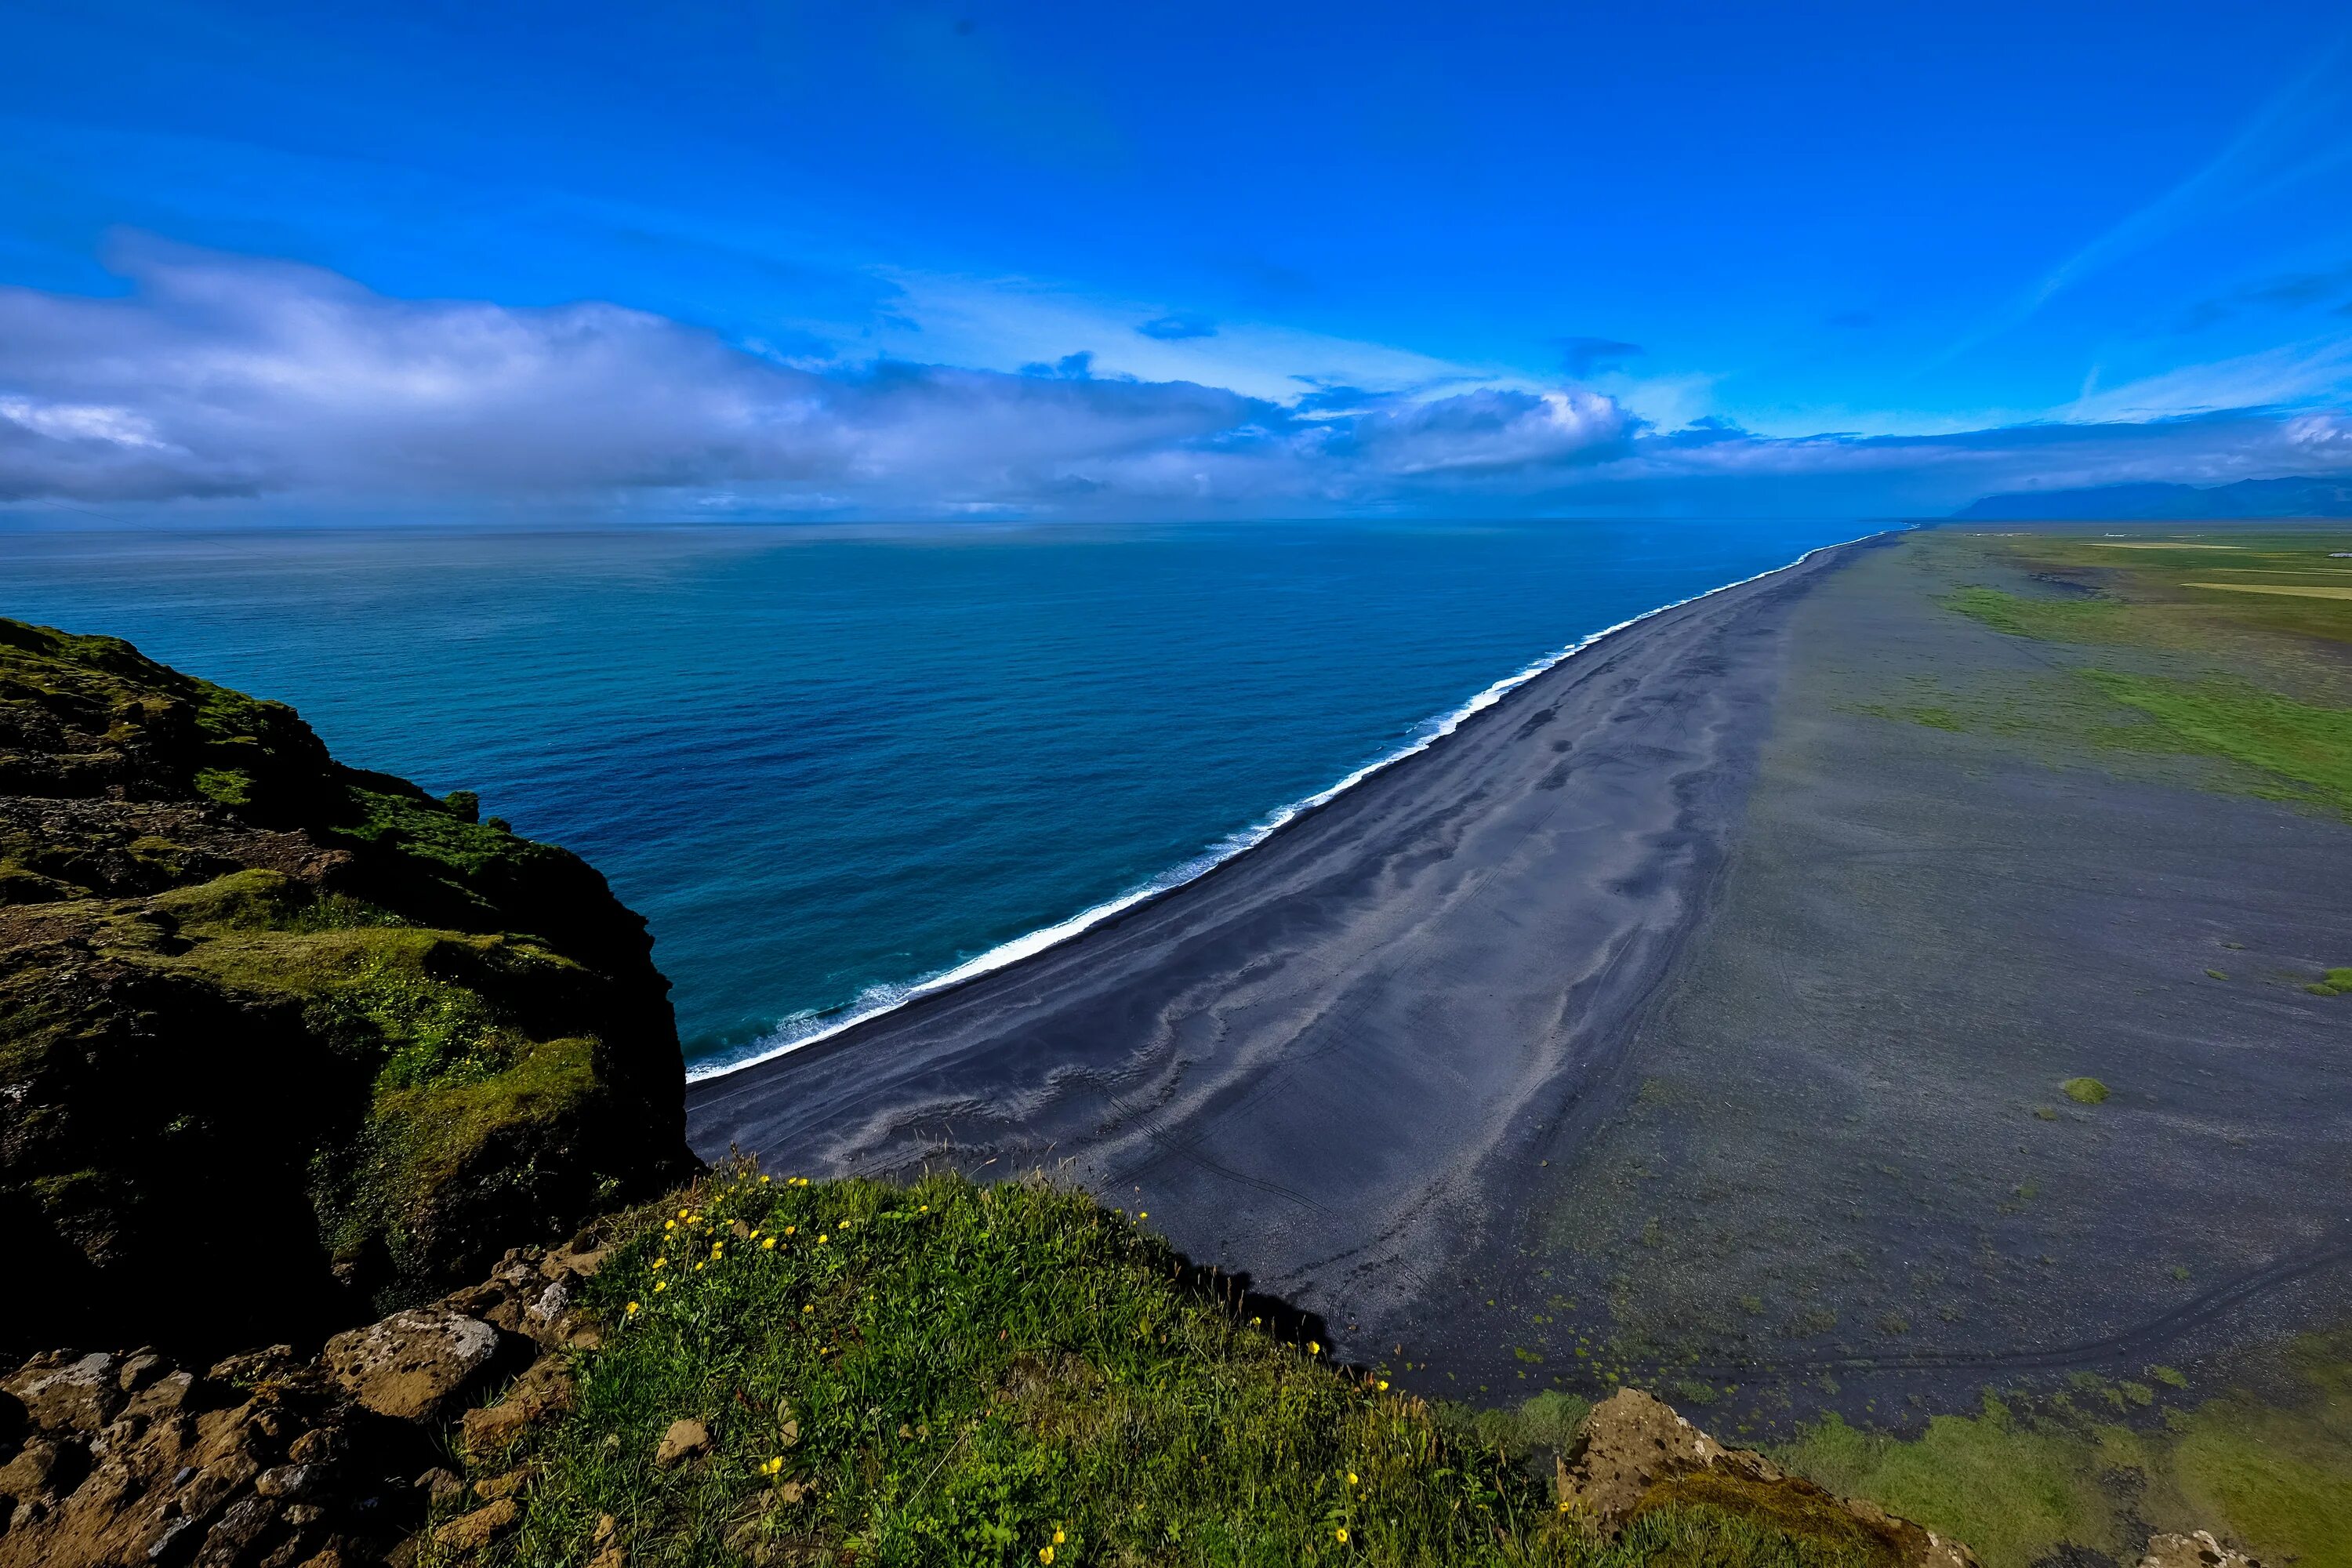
983 260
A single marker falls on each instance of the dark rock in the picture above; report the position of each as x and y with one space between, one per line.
230 1543
216 1121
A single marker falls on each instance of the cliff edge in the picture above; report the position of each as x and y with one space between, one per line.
299 1031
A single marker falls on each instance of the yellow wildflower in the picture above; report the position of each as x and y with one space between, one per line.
1384 1386
1044 1555
660 1286
1313 1347
631 1309
670 1225
661 1262
823 1239
1143 1213
716 1249
1351 1478
765 1180
769 1245
1342 1533
701 1267
1057 1538
790 1229
810 1308
924 1208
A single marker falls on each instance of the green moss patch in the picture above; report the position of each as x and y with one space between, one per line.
2083 1090
2309 745
2272 1473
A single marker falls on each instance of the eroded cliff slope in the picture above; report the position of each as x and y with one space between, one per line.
282 1041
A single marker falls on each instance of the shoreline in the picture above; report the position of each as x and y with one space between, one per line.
1224 852
1323 1064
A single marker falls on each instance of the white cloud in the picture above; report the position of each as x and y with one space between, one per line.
1002 323
219 376
2282 376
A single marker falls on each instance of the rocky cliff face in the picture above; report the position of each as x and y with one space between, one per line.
282 1042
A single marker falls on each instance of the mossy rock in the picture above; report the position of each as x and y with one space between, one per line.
299 1032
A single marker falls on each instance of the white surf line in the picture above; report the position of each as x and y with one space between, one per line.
889 999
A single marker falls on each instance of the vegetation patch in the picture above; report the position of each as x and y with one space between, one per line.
946 1374
2271 1472
2053 620
2083 1090
2225 717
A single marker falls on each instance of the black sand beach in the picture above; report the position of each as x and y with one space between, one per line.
1325 1063
1686 1019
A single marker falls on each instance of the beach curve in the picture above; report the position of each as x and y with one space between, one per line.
1311 1061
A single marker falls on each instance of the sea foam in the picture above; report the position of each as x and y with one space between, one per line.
804 1029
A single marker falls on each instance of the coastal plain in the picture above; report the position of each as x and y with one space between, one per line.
1832 994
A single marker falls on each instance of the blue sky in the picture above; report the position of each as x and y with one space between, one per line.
985 258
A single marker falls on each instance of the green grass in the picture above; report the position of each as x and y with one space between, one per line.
2335 983
2248 684
951 1374
2051 620
2225 717
2083 1090
2271 1472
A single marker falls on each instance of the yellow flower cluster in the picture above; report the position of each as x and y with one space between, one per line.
773 1465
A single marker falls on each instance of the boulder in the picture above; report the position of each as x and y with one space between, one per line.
684 1440
412 1365
472 1532
79 1395
543 1390
1634 1453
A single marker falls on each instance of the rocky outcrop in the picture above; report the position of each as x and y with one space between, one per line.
299 1032
269 1461
2198 1550
1633 1454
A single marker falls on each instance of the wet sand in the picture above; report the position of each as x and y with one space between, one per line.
1329 1062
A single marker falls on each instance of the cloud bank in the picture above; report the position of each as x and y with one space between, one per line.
217 378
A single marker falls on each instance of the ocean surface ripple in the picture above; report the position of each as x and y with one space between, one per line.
838 766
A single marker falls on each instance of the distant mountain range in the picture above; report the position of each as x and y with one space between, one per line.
2247 498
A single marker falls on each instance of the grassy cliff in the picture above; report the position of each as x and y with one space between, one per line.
299 1035
945 1374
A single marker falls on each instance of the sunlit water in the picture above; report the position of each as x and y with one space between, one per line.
828 763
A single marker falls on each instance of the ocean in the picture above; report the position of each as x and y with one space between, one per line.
832 762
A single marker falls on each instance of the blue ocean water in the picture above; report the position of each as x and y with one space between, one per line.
831 761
